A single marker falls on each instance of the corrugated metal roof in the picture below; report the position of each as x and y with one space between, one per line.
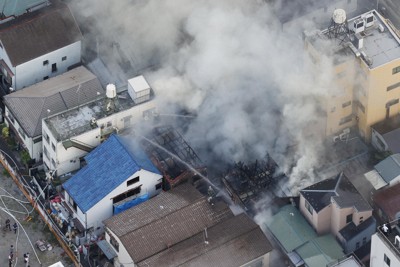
389 168
108 165
290 228
168 224
388 200
320 251
224 239
38 33
31 104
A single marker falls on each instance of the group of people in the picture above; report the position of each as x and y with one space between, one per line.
11 257
8 226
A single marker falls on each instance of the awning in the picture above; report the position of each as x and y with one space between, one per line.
375 179
107 249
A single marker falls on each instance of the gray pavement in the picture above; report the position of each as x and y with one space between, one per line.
34 230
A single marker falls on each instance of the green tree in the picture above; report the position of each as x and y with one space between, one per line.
5 132
25 158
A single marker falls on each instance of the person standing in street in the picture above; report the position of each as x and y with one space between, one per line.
26 259
15 227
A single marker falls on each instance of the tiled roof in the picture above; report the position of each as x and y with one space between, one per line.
38 33
30 105
389 168
388 200
338 189
108 165
224 239
165 223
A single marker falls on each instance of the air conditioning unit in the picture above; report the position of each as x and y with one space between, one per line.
346 131
335 138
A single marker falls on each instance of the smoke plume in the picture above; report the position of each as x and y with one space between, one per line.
252 87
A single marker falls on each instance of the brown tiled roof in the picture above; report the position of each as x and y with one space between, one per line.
57 94
38 33
165 220
388 200
232 242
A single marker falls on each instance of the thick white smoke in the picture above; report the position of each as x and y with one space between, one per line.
228 61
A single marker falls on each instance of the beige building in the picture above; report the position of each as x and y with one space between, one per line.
365 53
335 206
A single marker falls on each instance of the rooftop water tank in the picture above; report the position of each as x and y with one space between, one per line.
111 90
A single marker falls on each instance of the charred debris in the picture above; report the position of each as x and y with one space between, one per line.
248 183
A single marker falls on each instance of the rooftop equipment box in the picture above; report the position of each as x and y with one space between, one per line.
139 89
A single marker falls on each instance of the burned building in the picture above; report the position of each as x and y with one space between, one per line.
247 183
173 156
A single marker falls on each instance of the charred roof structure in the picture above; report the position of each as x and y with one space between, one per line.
173 156
248 183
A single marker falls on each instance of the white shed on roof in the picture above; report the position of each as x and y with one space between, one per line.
139 89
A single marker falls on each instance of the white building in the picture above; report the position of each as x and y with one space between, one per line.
117 176
25 109
38 45
385 250
70 135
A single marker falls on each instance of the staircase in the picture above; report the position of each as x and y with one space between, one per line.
77 144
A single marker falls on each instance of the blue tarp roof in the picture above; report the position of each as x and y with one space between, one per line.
108 165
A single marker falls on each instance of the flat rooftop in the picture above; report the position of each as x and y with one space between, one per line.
380 43
76 121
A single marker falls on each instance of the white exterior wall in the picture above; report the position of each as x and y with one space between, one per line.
122 255
34 71
67 160
378 249
104 208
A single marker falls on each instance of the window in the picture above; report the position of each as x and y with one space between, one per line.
54 67
308 207
345 119
64 58
45 78
346 104
361 219
37 140
11 117
21 132
380 142
396 70
46 137
158 186
361 106
393 86
127 194
127 121
364 241
349 218
46 153
132 181
53 147
109 124
357 245
114 243
333 109
45 63
386 259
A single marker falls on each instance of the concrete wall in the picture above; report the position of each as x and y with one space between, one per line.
35 70
321 221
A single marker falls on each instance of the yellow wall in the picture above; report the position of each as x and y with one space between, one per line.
366 89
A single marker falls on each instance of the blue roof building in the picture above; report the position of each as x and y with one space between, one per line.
118 175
